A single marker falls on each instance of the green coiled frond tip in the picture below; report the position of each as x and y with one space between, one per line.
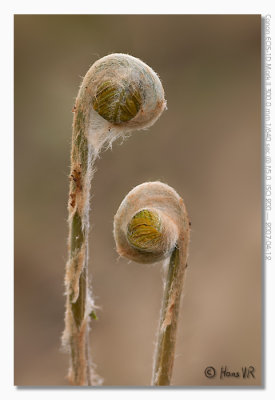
144 230
117 103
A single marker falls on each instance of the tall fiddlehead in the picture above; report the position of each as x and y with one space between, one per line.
118 94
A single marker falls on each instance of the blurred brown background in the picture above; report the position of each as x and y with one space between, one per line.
207 145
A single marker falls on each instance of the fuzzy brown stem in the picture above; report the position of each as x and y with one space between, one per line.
76 279
166 339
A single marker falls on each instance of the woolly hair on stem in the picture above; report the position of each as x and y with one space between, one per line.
150 225
119 94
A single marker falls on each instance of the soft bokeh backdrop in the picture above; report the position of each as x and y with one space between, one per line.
207 145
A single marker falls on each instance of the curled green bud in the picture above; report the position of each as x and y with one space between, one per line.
124 93
144 230
148 223
117 103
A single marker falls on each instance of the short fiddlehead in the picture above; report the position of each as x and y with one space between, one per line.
150 225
